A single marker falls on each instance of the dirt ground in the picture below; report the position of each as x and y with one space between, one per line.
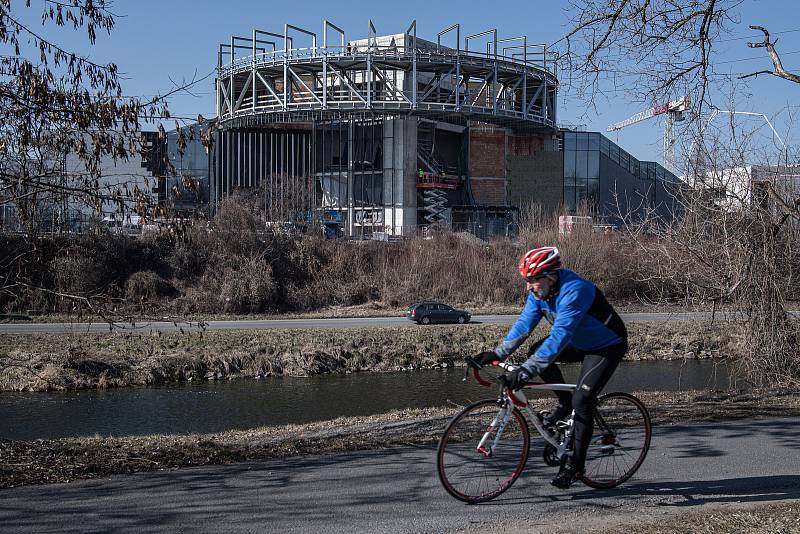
729 518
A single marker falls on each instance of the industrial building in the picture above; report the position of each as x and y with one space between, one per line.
768 187
384 135
393 134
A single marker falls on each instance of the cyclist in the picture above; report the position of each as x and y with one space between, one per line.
584 328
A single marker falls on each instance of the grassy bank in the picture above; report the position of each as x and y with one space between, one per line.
62 460
727 517
769 519
39 362
733 517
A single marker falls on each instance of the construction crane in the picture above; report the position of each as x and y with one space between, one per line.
674 111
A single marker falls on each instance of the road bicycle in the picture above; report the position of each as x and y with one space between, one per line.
485 446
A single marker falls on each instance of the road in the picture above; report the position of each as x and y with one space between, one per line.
396 491
351 322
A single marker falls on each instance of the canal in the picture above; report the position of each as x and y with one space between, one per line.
240 404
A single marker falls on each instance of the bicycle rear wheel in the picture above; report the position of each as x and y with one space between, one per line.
473 469
620 440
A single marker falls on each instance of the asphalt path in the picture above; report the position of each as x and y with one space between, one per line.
345 322
720 464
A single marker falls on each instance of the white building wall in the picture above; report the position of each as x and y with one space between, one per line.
122 175
734 187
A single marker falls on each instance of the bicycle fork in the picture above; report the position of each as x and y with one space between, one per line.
497 426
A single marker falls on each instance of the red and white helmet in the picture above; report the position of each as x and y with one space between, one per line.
539 261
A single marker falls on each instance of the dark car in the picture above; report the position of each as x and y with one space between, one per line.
434 312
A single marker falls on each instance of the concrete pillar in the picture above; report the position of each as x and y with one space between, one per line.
350 199
400 175
410 169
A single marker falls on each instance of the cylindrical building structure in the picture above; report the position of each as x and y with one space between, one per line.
378 136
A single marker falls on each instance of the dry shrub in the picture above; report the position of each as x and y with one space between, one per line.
146 286
736 255
234 264
188 260
31 299
228 266
233 230
246 288
99 267
452 269
347 273
77 274
773 359
609 260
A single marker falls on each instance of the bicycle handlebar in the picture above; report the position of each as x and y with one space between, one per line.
503 379
476 367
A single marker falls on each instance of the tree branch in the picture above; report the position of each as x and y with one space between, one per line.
779 71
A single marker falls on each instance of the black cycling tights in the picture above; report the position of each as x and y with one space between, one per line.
595 372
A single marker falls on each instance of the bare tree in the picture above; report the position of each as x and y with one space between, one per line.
655 49
55 102
778 71
735 245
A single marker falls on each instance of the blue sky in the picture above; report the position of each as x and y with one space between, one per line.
158 42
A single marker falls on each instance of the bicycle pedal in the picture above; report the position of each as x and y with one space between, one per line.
563 425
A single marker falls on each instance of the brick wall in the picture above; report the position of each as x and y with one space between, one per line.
493 159
487 165
537 178
525 145
487 151
489 191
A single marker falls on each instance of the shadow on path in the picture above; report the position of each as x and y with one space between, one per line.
398 488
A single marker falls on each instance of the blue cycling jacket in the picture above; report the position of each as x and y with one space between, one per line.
580 317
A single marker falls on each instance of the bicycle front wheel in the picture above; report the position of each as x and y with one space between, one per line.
483 451
620 440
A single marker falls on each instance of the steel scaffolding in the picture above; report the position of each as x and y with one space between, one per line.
330 132
512 85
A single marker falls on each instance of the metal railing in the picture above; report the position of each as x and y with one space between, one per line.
408 75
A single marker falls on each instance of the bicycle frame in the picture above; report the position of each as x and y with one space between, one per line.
518 399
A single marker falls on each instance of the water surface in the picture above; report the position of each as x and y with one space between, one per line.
240 404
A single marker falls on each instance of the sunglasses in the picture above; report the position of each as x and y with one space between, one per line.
532 279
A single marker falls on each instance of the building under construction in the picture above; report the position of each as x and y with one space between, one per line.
383 136
392 136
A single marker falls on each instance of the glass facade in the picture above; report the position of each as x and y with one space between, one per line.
599 174
580 162
174 170
195 159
